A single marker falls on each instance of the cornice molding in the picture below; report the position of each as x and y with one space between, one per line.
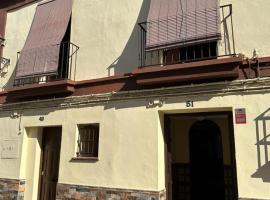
224 88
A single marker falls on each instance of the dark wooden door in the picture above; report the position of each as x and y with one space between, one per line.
206 159
51 145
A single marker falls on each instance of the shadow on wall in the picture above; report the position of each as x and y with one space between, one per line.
129 59
263 146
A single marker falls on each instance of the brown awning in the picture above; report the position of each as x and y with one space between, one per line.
171 22
40 53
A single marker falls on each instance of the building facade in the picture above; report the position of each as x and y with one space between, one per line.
138 99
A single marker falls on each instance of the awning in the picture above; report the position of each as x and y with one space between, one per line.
40 53
172 22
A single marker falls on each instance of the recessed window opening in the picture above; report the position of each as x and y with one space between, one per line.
63 68
191 53
88 140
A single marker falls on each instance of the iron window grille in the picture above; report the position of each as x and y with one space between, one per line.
88 140
2 41
4 62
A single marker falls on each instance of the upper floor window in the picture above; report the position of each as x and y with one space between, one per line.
190 53
183 31
47 51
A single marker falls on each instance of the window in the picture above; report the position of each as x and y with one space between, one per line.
88 140
47 52
181 31
190 53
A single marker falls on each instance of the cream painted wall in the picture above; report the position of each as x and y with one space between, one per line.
105 22
105 31
161 150
108 37
31 161
251 27
17 27
9 131
180 139
131 152
127 159
107 34
131 145
123 161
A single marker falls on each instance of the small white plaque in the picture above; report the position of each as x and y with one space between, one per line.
9 149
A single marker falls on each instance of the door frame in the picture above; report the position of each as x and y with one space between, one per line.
167 154
42 158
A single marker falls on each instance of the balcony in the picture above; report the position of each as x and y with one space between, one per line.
57 83
183 39
66 65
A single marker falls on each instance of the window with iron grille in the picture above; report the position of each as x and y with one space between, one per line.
190 53
186 31
88 139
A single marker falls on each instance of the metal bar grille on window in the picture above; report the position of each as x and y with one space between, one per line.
88 141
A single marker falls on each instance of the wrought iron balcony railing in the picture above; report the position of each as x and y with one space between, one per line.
161 44
4 63
66 67
2 41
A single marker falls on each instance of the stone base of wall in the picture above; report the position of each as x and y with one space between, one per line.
251 199
74 192
11 189
78 192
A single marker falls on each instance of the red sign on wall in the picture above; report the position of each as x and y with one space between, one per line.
240 116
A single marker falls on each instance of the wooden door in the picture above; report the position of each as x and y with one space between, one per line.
51 145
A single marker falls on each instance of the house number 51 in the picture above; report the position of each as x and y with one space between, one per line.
189 104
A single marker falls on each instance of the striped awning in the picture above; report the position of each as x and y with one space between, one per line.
41 50
172 22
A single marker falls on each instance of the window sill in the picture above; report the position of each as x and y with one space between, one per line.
85 159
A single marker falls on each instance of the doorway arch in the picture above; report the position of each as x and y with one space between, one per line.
206 161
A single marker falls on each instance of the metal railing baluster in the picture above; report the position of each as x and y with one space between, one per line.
67 50
190 44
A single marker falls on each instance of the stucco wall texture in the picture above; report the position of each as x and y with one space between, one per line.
131 150
108 34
